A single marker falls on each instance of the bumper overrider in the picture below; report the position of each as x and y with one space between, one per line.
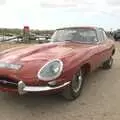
23 88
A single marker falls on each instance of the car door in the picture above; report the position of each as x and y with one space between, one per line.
104 46
93 53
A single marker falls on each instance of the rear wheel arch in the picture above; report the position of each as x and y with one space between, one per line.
113 51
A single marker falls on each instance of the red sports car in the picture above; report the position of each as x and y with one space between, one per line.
58 66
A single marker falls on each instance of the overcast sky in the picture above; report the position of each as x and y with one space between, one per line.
52 14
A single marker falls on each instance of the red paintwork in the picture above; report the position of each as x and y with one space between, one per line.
72 54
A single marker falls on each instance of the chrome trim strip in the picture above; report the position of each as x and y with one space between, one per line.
7 82
22 88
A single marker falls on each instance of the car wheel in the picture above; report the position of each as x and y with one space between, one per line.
108 64
73 90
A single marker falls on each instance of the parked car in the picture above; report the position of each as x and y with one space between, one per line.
59 66
117 35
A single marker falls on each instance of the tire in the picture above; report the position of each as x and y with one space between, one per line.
74 89
108 64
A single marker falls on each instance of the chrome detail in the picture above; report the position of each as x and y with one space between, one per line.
7 82
52 83
22 88
77 82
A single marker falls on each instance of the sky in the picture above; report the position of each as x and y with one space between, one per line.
52 14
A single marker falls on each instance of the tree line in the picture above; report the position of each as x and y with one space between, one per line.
16 31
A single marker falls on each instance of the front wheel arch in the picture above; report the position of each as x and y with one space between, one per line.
86 68
68 92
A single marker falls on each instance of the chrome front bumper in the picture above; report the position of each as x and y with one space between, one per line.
22 88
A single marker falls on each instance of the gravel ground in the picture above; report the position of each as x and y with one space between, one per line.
100 100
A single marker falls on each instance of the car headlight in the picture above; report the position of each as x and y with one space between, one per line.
10 66
51 70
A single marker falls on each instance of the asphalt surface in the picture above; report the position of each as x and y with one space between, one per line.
99 100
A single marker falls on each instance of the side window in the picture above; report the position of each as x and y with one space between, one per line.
100 36
104 35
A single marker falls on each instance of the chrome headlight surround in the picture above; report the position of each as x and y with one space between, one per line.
10 66
55 66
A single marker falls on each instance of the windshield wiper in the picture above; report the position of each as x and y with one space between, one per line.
73 40
77 41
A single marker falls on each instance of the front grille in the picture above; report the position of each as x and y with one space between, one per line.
8 83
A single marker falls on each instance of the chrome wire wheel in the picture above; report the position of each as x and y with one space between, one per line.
77 82
74 89
108 64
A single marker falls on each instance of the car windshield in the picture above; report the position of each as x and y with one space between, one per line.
81 35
